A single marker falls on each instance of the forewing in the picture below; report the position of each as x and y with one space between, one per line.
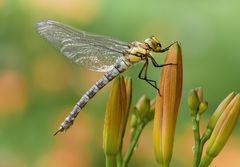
95 52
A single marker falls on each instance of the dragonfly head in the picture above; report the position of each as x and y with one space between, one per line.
153 44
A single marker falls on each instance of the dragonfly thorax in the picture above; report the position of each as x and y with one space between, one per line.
153 44
138 51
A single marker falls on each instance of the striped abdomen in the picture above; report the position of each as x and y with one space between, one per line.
120 66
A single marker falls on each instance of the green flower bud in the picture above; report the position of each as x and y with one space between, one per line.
152 105
193 101
134 120
203 107
142 111
223 129
199 92
143 106
220 109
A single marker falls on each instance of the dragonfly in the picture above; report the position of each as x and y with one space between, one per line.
99 53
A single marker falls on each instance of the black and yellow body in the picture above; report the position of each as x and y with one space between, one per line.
99 53
141 50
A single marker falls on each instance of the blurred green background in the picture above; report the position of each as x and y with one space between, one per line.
38 86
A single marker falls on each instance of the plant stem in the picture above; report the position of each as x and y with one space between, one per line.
196 151
132 145
203 140
111 161
201 145
206 161
119 159
119 154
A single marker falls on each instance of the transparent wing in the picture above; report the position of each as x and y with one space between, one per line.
95 52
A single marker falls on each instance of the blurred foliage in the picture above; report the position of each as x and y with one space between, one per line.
38 86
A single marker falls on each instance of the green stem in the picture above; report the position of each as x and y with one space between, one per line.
201 145
132 145
119 159
195 127
206 161
119 154
165 165
204 139
111 161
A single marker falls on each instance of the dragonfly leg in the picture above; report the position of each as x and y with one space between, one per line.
166 49
155 64
145 78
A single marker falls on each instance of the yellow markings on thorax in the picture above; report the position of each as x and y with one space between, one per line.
133 58
137 52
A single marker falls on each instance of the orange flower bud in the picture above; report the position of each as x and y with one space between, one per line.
167 104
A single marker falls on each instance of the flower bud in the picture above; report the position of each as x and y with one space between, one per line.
203 107
193 101
199 91
128 83
115 120
223 128
143 105
220 109
134 120
166 107
142 111
152 105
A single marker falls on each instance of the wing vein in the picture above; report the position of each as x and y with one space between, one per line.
94 52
